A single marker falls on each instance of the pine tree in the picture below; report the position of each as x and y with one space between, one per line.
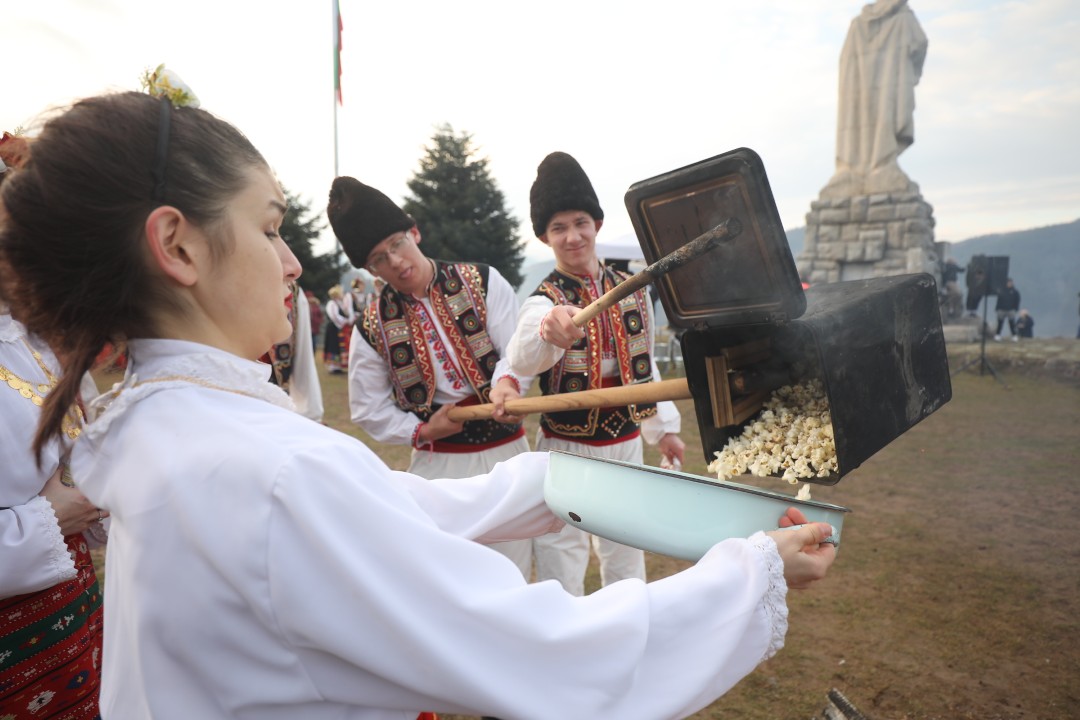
300 229
459 209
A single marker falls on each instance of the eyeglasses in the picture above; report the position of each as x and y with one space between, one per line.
378 262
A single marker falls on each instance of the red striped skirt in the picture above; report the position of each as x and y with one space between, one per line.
50 647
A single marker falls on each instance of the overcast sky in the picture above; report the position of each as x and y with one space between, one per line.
631 89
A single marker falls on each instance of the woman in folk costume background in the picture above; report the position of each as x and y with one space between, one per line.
50 600
265 566
293 361
340 318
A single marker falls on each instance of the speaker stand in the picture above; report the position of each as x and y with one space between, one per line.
985 365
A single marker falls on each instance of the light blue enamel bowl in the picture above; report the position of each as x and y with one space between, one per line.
666 511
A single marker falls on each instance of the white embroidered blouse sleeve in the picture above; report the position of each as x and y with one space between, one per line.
529 355
32 550
502 314
33 555
334 315
371 404
632 650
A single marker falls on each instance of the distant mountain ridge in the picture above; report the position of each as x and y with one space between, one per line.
1044 264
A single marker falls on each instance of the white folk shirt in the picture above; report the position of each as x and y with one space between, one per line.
265 566
371 394
33 555
529 355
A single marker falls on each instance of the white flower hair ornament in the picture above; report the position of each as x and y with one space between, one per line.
163 82
172 92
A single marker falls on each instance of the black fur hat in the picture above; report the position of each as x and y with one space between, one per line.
560 185
362 217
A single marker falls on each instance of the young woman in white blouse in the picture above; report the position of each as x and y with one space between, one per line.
261 565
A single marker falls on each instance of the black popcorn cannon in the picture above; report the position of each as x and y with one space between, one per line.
749 327
721 263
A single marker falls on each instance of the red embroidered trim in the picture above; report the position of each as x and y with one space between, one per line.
416 443
472 286
511 378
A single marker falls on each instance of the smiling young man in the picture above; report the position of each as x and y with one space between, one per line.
433 337
615 348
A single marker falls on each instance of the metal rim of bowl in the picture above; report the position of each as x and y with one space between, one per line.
707 481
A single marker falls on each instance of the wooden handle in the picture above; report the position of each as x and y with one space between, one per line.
652 392
697 247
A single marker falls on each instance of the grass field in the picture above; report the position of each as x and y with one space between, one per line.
956 595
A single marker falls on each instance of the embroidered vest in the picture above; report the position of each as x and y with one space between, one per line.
392 326
625 329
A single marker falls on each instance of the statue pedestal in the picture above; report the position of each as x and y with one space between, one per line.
868 236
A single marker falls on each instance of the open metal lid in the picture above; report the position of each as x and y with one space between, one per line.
749 280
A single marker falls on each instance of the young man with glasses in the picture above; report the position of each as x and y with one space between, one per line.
433 338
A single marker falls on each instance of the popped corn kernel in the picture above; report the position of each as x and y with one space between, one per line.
791 437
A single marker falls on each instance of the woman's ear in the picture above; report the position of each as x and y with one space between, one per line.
167 237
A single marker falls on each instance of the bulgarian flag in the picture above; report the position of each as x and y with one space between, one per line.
337 51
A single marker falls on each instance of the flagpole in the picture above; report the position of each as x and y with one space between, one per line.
335 13
335 140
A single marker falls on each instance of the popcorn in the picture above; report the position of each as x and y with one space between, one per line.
792 437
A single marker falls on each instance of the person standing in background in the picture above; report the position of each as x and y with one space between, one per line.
50 600
1025 325
1008 303
360 295
339 324
293 361
954 303
316 315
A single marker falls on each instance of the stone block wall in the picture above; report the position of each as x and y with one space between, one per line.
868 236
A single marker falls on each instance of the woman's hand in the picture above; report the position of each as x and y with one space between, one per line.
802 547
73 511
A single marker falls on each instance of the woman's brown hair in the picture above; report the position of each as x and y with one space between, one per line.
72 264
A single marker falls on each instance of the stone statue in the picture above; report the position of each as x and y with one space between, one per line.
880 64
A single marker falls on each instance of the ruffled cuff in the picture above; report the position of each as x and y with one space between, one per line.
775 598
417 443
59 562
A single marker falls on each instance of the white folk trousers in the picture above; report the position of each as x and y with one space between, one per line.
564 556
